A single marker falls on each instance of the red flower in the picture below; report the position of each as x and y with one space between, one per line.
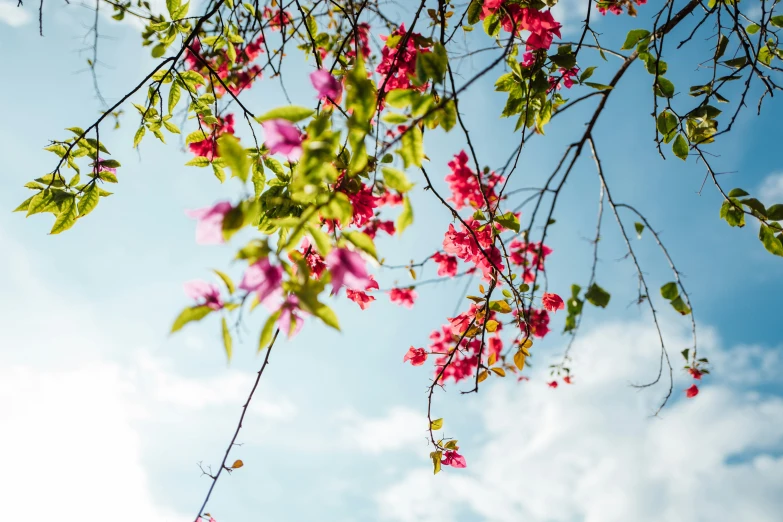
567 379
360 297
695 373
453 459
403 296
552 384
416 356
447 265
552 302
692 392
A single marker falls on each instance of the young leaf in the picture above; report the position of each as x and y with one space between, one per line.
192 313
597 296
292 113
227 341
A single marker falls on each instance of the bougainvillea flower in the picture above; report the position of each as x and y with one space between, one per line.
347 269
552 384
361 298
291 317
205 294
447 265
403 296
567 379
326 84
282 137
552 302
263 278
416 356
695 373
692 392
209 230
453 459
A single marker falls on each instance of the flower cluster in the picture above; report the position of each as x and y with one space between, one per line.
464 184
237 74
540 24
208 146
474 245
617 6
398 62
529 256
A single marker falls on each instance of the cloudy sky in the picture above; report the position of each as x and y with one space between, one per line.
106 417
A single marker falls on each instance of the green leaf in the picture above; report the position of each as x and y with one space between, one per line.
736 63
89 200
227 341
587 73
777 21
721 47
639 229
669 290
405 218
737 193
436 457
431 65
327 315
756 205
667 124
752 29
436 424
474 12
733 215
172 6
680 147
292 113
220 174
599 86
322 242
67 216
396 180
235 156
361 240
39 202
665 88
775 212
226 281
192 313
268 331
509 220
412 147
597 296
634 36
174 95
679 305
771 242
492 24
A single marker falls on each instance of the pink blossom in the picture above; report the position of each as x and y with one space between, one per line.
326 84
403 296
567 379
453 459
264 279
361 298
692 392
209 230
447 265
552 384
416 356
347 268
282 137
552 302
291 317
205 294
695 373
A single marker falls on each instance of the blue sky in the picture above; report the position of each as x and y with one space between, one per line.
109 416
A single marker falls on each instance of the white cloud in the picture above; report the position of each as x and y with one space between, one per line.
590 451
400 428
771 190
75 401
12 15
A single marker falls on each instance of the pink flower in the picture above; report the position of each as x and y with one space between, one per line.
416 356
291 317
528 59
695 373
403 296
453 459
326 84
347 270
692 392
282 137
205 294
361 298
552 302
264 279
447 265
567 379
209 230
552 384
